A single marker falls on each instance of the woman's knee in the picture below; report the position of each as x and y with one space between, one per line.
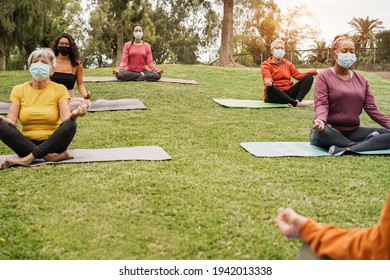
308 77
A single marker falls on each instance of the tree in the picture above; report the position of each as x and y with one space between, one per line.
261 23
6 26
226 52
319 53
383 40
27 24
365 30
298 25
117 8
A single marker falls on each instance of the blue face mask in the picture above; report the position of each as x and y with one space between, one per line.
279 53
39 71
346 60
138 35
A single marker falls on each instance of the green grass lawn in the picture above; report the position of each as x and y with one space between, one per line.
212 201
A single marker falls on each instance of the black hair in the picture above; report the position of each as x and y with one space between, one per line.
73 53
132 29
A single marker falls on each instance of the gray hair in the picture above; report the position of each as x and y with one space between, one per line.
277 41
46 53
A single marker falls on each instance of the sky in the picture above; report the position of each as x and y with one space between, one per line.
333 15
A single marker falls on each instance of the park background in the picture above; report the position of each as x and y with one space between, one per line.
213 200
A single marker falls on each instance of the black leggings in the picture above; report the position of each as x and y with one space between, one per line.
150 76
58 142
297 92
358 140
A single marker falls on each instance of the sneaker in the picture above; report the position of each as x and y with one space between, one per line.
335 150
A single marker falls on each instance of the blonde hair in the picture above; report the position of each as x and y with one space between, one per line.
46 53
277 41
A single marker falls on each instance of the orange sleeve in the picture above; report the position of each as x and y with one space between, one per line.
265 70
353 244
298 75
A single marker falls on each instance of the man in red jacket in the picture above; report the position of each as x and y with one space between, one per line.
277 72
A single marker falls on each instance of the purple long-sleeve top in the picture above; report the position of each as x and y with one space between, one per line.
340 102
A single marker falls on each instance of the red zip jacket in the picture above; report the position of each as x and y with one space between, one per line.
281 74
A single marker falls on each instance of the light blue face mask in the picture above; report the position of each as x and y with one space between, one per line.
138 35
346 60
279 53
39 71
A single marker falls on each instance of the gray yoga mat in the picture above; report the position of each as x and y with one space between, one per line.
4 108
162 80
150 153
115 105
241 103
100 105
295 149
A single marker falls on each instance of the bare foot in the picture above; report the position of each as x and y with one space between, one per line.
305 104
58 157
7 162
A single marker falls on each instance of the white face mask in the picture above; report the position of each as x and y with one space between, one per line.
279 53
138 34
346 60
39 71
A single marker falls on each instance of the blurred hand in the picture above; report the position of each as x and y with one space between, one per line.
290 223
318 125
88 95
160 71
268 82
79 112
115 71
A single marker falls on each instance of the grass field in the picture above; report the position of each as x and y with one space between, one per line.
212 201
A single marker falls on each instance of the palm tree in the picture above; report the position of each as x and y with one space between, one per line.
365 30
319 52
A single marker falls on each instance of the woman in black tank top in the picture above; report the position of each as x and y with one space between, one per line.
69 70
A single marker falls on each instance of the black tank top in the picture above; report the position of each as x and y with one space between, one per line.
66 79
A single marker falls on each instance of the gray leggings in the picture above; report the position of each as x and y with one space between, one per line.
358 140
149 76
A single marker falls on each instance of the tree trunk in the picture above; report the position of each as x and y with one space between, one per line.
2 54
226 52
119 41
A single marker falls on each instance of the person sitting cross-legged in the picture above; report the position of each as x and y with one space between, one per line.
277 72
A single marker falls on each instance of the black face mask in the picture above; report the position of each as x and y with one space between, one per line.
63 50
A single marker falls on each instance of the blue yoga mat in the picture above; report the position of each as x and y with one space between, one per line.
295 149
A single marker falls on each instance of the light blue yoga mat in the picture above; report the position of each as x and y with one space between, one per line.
295 149
241 103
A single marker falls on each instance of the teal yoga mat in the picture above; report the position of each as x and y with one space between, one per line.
295 149
241 103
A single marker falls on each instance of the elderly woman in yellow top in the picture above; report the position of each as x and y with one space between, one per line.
42 107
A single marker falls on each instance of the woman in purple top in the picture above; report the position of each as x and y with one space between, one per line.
340 95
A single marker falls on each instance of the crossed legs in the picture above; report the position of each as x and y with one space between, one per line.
52 149
361 139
